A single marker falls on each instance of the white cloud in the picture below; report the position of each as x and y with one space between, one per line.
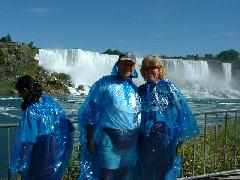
157 35
40 10
120 41
230 34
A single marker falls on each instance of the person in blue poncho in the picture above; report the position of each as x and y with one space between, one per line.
166 122
44 139
109 123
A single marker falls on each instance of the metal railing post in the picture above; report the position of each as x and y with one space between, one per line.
225 141
215 142
204 145
194 156
235 143
8 137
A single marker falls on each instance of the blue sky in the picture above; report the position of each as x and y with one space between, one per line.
170 27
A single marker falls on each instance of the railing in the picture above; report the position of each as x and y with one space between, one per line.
8 126
214 151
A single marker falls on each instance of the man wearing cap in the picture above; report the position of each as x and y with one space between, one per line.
109 121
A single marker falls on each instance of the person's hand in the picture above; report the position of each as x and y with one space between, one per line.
160 128
23 174
179 146
91 146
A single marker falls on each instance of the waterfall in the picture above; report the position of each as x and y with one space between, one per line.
196 79
227 70
187 69
84 67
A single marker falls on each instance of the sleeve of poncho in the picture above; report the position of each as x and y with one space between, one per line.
88 115
25 138
186 123
88 111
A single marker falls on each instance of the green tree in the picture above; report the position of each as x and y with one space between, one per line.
230 55
6 39
191 57
31 45
208 56
112 52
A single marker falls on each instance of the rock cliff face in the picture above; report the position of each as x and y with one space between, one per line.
236 71
216 69
17 60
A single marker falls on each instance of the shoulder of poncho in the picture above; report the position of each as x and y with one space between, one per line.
165 82
45 100
106 79
33 107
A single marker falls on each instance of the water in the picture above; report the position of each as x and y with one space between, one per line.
10 113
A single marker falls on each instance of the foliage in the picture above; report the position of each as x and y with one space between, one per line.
215 151
192 57
80 88
229 55
73 168
112 52
208 57
6 39
18 60
31 45
6 84
2 57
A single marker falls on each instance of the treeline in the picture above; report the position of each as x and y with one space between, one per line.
226 56
8 39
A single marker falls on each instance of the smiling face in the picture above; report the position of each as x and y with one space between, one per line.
152 68
152 74
126 68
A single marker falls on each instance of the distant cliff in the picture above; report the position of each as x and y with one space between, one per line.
17 60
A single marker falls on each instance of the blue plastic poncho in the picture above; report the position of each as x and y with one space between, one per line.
43 143
166 121
112 107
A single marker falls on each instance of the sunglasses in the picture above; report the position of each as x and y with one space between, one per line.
127 63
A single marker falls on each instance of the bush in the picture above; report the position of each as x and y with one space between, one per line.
213 146
73 168
2 57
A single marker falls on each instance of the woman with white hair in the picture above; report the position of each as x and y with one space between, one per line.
166 121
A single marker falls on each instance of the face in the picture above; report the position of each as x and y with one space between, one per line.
126 68
23 93
152 74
